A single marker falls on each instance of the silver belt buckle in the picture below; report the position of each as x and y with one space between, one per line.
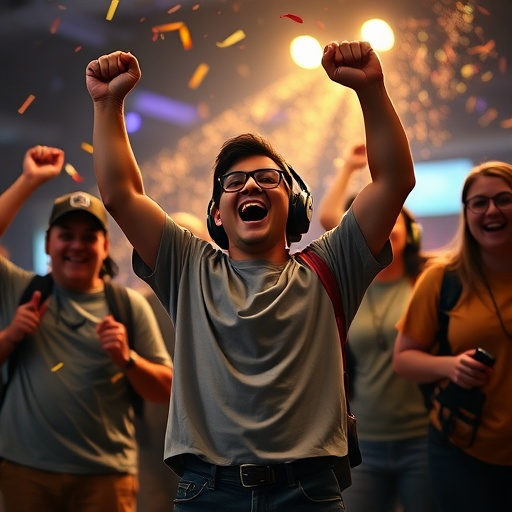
265 471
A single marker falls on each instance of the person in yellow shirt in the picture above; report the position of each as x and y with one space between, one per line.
473 472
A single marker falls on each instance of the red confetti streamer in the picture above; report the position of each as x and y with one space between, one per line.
293 17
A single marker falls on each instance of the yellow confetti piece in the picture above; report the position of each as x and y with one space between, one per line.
168 27
87 147
112 10
198 76
116 377
57 367
184 33
73 173
234 38
26 103
186 40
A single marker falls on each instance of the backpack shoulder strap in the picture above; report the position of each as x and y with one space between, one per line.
451 288
121 308
316 263
44 284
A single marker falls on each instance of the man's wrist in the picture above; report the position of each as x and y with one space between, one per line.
132 360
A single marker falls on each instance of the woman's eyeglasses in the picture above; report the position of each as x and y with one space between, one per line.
236 180
480 204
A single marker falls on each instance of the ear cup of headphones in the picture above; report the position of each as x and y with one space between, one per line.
414 235
299 215
217 233
413 230
300 210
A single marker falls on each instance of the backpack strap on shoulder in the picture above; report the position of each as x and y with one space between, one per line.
121 308
44 284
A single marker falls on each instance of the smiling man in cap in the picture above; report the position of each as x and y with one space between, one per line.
67 436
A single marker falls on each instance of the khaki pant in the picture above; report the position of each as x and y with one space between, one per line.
26 489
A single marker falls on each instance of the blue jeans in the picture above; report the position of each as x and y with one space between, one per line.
462 483
204 491
393 473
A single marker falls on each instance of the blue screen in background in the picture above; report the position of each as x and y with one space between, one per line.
438 187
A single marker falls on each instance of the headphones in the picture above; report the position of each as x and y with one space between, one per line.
413 230
299 214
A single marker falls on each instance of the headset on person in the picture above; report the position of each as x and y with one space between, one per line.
299 214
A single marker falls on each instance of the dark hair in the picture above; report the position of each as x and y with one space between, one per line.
109 269
414 258
240 147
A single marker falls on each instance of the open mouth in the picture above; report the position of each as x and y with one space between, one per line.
251 212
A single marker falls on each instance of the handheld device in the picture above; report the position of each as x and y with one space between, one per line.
484 357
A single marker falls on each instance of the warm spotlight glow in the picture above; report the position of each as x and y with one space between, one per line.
379 34
306 52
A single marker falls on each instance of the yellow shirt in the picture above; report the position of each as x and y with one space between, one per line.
473 323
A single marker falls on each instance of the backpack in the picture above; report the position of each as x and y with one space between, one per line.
451 288
118 304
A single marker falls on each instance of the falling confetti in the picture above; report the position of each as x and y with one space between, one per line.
55 26
26 104
198 76
234 38
87 147
177 7
116 377
57 367
182 29
293 17
73 173
112 10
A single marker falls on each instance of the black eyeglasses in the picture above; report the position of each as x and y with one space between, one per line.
236 180
479 204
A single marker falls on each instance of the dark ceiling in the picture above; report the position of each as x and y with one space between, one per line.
449 73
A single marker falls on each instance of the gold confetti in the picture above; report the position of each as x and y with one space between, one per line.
73 173
116 377
87 147
168 27
234 38
182 29
57 367
198 76
112 10
26 103
186 40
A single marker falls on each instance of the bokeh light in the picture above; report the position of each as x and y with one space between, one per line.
379 34
306 52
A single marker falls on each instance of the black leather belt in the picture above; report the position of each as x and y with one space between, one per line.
255 475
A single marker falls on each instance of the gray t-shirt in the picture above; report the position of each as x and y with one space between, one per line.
257 360
67 407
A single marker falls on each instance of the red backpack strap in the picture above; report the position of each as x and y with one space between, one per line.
316 263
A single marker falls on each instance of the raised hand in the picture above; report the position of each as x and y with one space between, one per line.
353 64
112 76
42 163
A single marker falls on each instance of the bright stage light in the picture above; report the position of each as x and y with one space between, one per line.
306 52
379 34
